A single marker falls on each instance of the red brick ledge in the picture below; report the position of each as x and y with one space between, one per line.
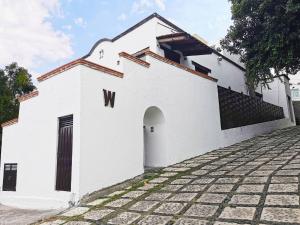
25 97
134 59
163 59
76 63
9 123
141 52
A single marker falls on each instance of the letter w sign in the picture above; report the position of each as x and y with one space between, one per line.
109 98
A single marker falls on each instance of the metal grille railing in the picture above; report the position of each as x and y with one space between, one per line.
238 110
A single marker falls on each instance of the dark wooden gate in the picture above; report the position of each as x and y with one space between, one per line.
64 154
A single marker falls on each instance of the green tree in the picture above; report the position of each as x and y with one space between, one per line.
14 81
266 34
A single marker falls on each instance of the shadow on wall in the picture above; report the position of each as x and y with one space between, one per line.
155 154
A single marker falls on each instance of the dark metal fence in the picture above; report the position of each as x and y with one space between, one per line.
238 110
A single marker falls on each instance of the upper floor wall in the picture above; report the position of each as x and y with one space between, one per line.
228 74
144 35
141 36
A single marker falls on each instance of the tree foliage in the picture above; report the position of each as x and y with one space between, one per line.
266 34
14 81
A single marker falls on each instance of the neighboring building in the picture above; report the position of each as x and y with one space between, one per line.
150 97
295 91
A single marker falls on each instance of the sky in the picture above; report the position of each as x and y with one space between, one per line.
41 35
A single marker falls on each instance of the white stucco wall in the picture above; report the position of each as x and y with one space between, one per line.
235 135
277 94
191 112
227 74
112 139
32 144
109 149
140 38
108 143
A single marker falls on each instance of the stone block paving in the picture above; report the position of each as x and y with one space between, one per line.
255 182
14 216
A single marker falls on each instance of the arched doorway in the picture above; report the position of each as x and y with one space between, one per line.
154 138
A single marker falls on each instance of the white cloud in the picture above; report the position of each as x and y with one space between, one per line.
28 37
122 17
160 4
80 22
141 6
210 19
67 27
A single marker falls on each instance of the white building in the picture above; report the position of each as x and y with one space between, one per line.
295 94
295 87
146 98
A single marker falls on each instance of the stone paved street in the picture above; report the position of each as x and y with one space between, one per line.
253 182
14 216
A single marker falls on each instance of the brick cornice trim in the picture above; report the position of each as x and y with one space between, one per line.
9 123
25 97
101 68
163 59
141 52
76 63
134 59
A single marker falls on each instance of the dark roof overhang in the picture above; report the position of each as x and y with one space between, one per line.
185 43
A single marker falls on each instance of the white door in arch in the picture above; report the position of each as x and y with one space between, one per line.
155 154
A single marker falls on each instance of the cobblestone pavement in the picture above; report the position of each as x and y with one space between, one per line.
253 182
14 216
